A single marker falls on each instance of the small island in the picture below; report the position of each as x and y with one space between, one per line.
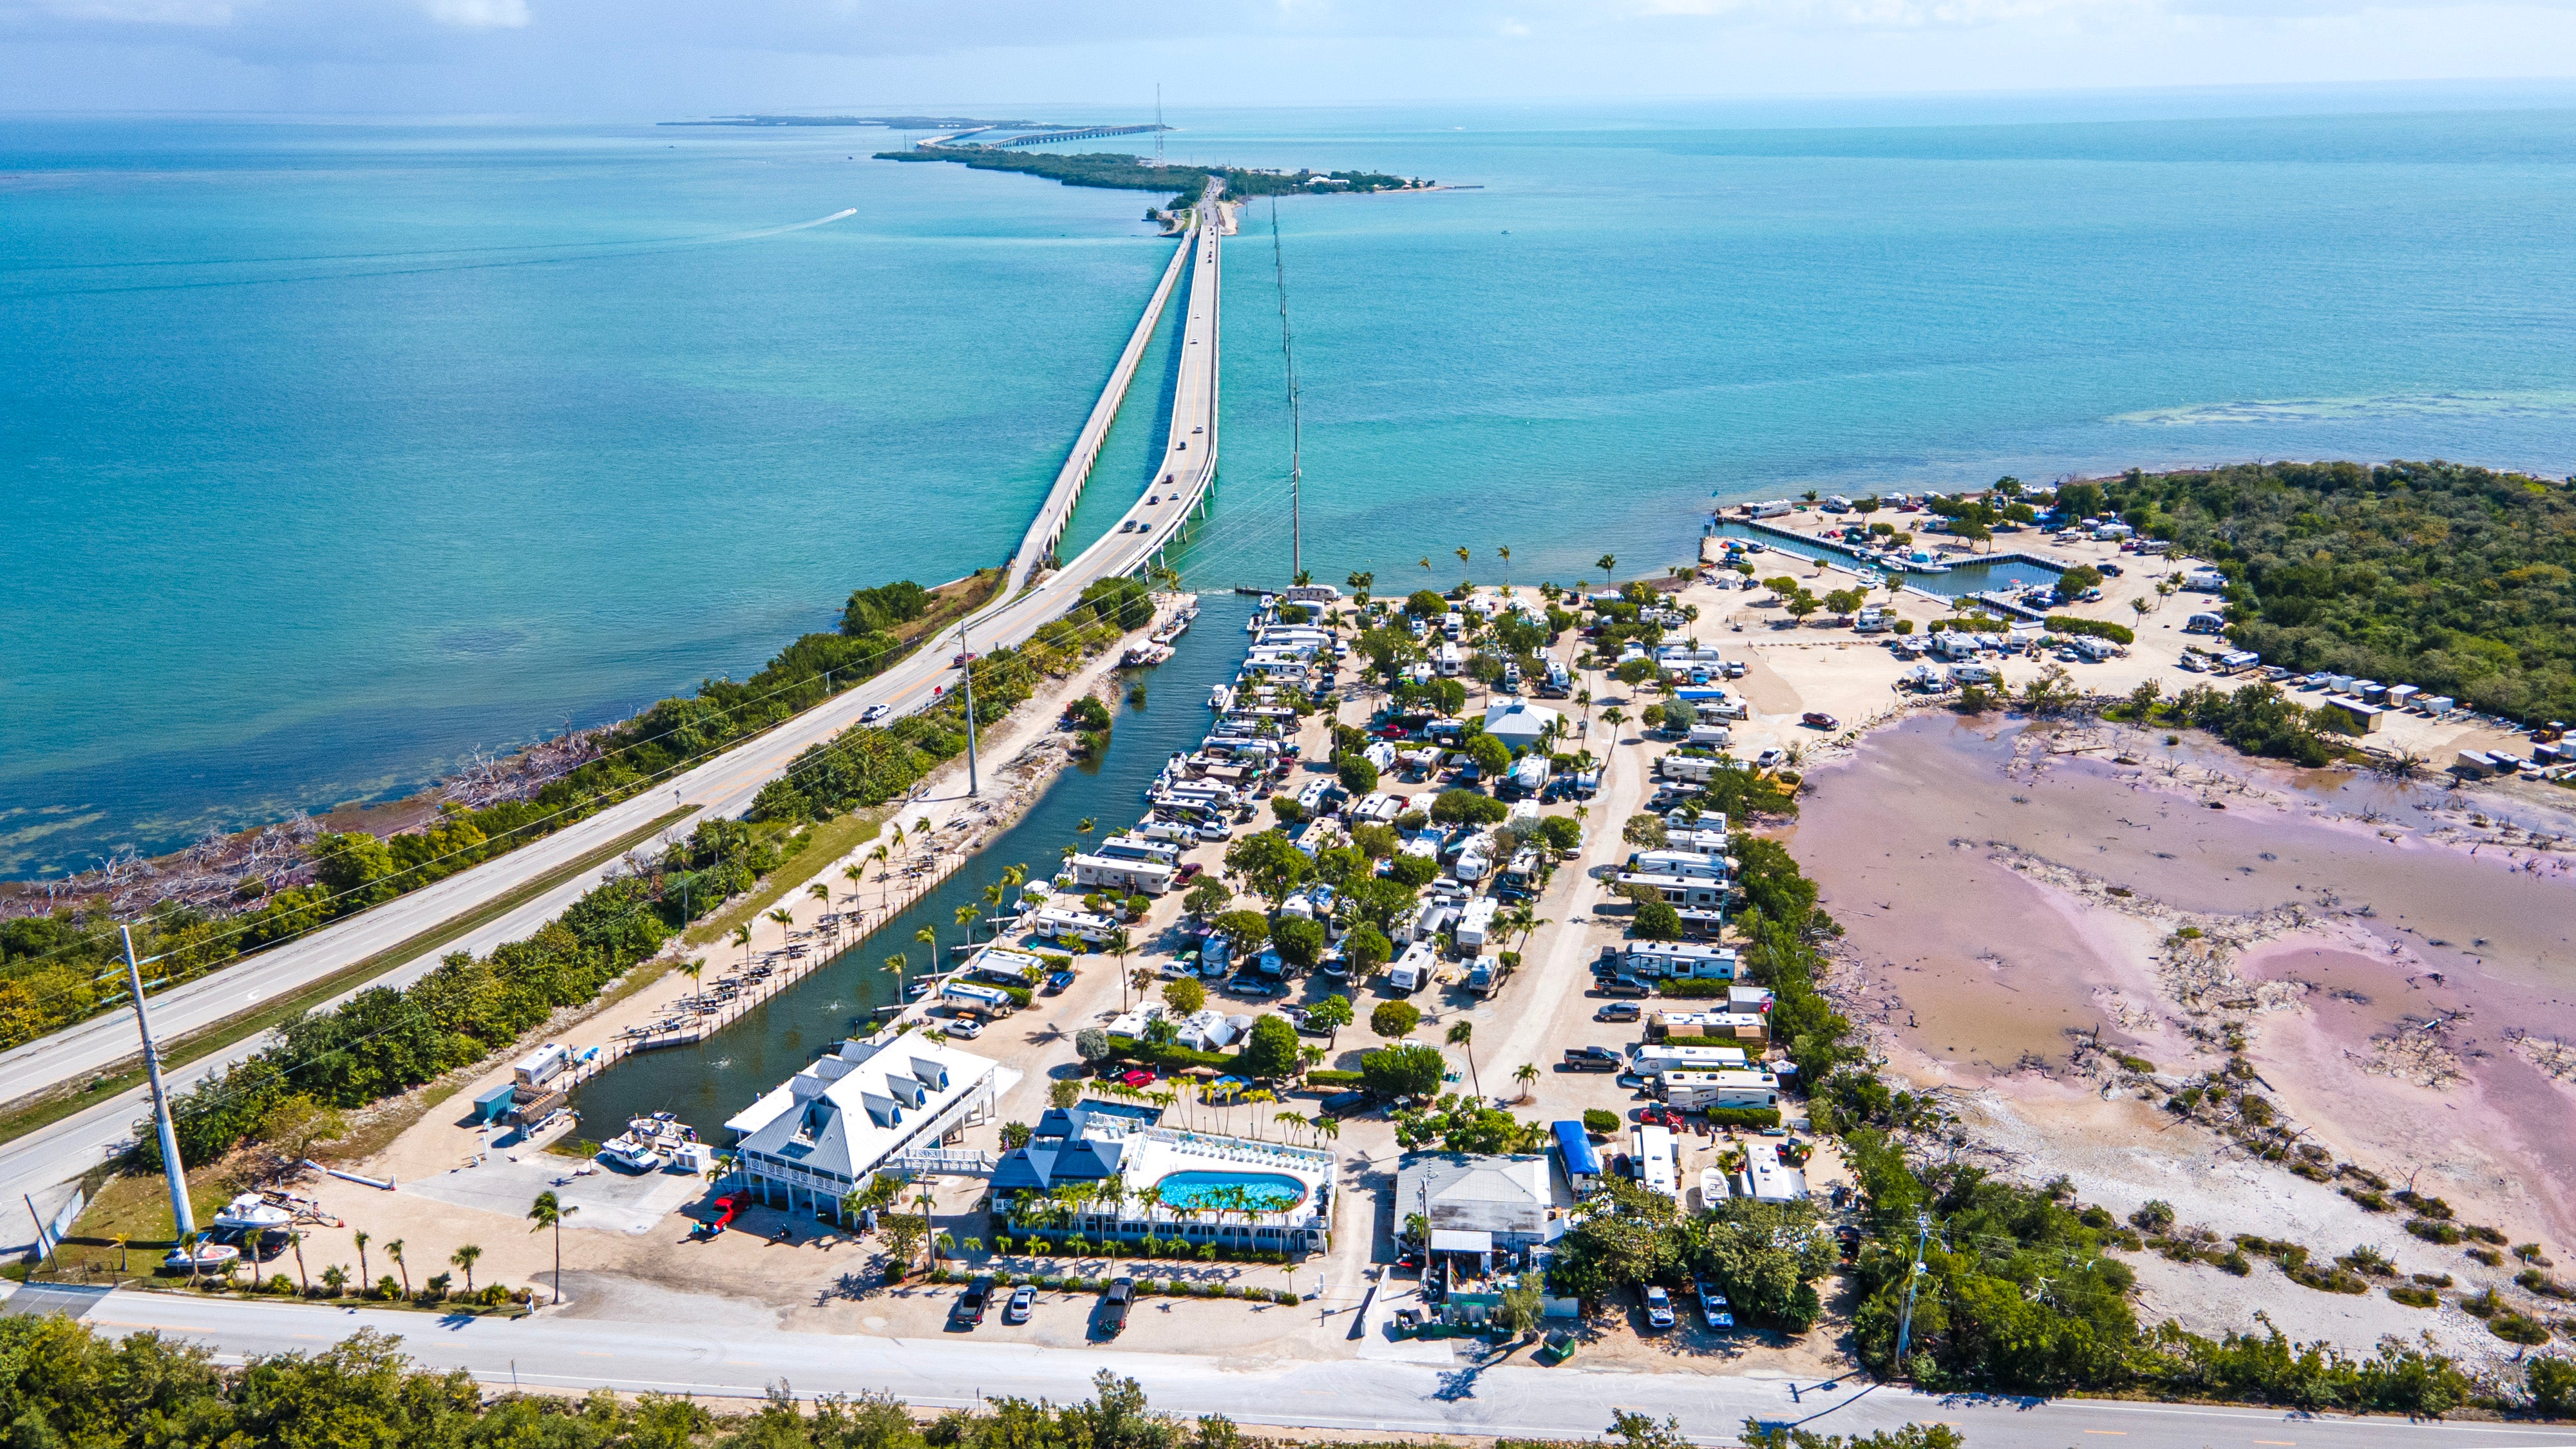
1185 182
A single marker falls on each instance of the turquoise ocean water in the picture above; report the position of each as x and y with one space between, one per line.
334 450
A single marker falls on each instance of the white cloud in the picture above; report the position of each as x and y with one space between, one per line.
480 14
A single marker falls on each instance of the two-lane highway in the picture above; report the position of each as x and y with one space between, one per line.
721 786
1508 1398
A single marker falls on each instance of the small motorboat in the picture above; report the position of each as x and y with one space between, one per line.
251 1210
631 1151
209 1258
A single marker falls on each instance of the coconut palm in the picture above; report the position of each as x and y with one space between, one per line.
1290 1120
896 964
1463 557
464 1258
335 1281
820 892
1506 552
296 1241
921 826
1461 1035
548 1211
361 1239
966 916
929 936
1527 1075
786 919
855 874
1606 563
393 1250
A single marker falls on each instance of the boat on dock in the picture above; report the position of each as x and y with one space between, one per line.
649 1142
1140 656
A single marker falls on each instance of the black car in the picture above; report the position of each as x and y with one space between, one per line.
1593 1059
1346 1104
1114 1305
969 1308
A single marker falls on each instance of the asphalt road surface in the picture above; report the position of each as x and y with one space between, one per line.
1513 1398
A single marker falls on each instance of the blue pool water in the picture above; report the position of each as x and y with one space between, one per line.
1268 1191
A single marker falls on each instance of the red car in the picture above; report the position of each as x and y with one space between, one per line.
1136 1077
1189 872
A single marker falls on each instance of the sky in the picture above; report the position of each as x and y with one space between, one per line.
652 59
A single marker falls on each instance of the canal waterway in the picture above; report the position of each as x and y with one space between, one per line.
716 1078
1968 578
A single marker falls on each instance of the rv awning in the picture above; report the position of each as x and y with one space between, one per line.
1460 1240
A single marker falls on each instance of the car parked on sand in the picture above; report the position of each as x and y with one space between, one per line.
1136 1077
1114 1305
1659 1307
1592 1059
969 1308
1023 1299
1619 1011
1817 719
1057 982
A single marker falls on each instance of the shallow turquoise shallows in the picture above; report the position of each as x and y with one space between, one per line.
1264 1192
333 452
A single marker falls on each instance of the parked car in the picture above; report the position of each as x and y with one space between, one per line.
1619 1011
961 1028
1344 1104
1817 719
874 712
968 1310
1770 759
1023 1299
1659 1307
1136 1077
1189 871
1114 1305
1592 1059
1624 986
1056 983
1713 1306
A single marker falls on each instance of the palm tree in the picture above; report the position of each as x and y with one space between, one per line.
1527 1075
546 1212
785 919
966 916
742 938
921 826
895 963
464 1258
1463 557
821 892
296 1241
335 1281
1288 1119
1119 944
1506 552
393 1250
929 936
1606 563
1461 1034
693 968
361 1239
855 874
1613 718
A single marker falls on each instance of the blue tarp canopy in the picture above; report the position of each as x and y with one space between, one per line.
1575 1146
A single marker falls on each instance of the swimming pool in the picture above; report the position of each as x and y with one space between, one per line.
1267 1192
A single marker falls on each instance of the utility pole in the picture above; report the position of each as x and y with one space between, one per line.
1905 1321
973 788
1296 427
180 1214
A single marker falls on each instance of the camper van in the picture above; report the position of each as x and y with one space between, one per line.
984 998
1412 970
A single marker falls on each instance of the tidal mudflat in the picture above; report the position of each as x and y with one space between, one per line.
2027 905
